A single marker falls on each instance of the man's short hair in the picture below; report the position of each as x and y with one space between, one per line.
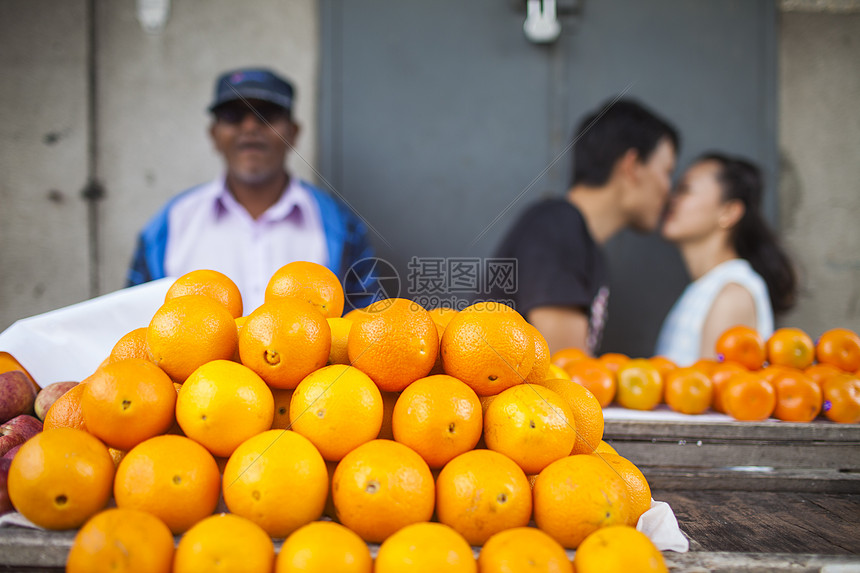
604 136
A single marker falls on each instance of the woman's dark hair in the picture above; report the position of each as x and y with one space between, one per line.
752 237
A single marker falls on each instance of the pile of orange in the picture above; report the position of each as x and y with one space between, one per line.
788 376
425 431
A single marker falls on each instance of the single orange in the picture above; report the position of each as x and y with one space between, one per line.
688 391
614 360
554 372
425 548
442 316
127 402
530 424
222 404
565 356
839 347
819 373
640 386
577 495
337 408
586 410
130 345
310 282
720 374
208 283
540 368
284 340
770 373
340 328
663 365
278 480
189 331
224 542
798 397
490 350
381 487
439 417
281 418
841 398
748 397
743 345
618 549
395 344
324 547
122 540
604 448
66 411
172 477
9 363
523 549
60 478
637 486
595 376
790 347
482 492
705 365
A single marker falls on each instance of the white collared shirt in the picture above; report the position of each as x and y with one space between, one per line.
209 229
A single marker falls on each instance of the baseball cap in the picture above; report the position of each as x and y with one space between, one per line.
253 83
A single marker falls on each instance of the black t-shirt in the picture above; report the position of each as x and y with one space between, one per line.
558 264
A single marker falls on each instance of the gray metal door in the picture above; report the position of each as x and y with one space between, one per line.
440 121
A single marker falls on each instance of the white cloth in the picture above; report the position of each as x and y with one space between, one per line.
680 337
209 229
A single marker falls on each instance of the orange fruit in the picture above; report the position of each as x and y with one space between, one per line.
743 345
523 549
720 374
770 373
530 424
640 386
554 372
439 417
540 368
381 487
798 397
222 404
637 486
172 477
130 345
614 360
488 350
278 480
128 401
389 400
284 340
790 347
839 347
819 373
604 448
340 328
224 542
595 376
705 365
577 495
618 549
60 478
9 363
281 418
586 410
337 408
66 411
324 547
748 397
395 344
565 356
841 399
442 316
482 492
425 548
122 540
663 365
310 282
208 283
189 331
688 391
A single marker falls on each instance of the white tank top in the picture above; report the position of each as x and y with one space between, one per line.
680 337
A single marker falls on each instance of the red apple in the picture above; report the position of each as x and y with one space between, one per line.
17 431
48 395
17 395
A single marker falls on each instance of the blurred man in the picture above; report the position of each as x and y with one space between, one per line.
623 161
256 217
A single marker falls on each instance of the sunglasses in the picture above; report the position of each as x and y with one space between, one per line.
235 114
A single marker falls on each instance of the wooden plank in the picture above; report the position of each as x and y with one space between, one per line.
767 522
716 562
733 430
788 480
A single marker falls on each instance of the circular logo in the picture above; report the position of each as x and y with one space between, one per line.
370 280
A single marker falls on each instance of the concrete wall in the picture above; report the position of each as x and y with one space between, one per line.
820 151
152 94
